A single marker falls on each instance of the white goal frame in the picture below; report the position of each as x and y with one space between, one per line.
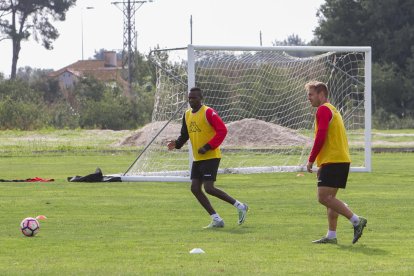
192 82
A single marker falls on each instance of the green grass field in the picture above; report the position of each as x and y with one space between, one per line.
149 228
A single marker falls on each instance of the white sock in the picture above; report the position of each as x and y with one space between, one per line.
331 234
216 217
239 205
354 220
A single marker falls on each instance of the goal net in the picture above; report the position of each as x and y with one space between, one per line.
259 93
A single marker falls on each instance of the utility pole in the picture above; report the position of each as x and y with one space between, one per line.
191 29
87 8
260 37
129 9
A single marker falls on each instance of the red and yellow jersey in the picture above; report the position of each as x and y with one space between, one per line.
335 147
205 127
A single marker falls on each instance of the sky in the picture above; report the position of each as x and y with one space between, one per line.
166 23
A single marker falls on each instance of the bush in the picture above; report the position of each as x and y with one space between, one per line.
62 115
94 105
111 110
385 120
21 115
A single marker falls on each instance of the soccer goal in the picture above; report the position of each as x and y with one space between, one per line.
259 93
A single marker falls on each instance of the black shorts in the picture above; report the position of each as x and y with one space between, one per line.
205 169
333 175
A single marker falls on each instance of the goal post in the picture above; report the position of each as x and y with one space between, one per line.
259 93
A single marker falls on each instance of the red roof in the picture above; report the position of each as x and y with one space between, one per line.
96 69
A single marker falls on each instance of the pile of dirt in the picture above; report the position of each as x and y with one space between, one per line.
257 133
144 135
243 133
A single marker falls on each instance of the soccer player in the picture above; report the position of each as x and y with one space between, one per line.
206 131
331 152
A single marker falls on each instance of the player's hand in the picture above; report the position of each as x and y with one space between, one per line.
202 150
171 144
309 166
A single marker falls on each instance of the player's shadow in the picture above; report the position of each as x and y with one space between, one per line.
239 230
363 249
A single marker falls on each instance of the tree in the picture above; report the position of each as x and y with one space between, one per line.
292 40
386 25
389 89
24 18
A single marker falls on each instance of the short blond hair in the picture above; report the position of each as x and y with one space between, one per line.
318 86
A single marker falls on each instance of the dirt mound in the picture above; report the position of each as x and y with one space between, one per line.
246 132
257 133
144 135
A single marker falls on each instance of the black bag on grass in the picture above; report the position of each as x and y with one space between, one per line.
97 176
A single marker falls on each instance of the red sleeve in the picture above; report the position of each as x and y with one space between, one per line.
221 130
323 117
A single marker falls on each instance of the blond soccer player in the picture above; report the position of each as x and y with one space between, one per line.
331 153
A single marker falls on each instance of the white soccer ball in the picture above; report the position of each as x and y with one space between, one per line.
29 227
